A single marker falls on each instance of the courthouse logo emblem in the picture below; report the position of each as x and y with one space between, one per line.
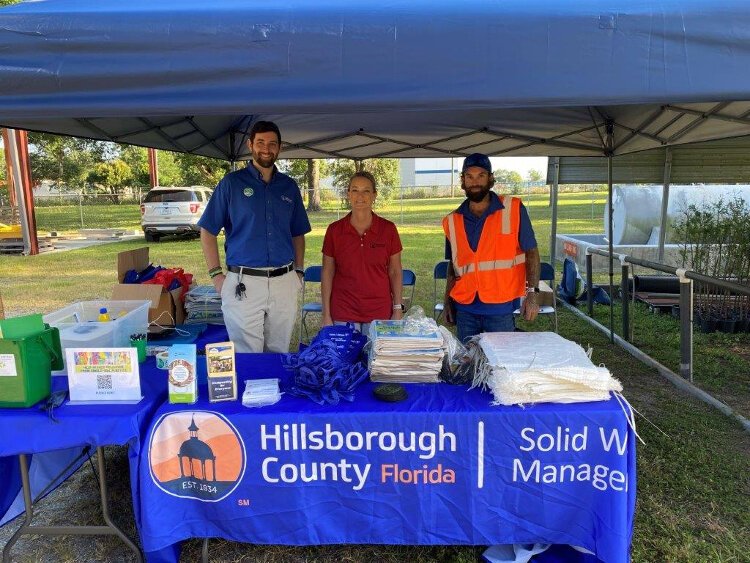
248 191
196 454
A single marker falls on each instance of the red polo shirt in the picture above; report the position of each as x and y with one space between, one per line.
361 287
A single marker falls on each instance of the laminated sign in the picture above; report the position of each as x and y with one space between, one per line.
103 375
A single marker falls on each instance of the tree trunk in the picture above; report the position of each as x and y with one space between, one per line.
313 185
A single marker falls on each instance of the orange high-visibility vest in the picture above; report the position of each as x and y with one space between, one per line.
497 270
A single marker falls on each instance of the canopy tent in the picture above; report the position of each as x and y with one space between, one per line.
387 78
405 78
365 79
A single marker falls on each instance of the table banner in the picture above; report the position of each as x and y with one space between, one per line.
442 467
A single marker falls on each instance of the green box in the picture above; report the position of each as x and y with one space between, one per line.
26 363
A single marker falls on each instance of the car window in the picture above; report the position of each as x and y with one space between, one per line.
161 196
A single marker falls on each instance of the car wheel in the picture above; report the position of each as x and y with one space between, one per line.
151 237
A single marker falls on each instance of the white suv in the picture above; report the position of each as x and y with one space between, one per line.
171 211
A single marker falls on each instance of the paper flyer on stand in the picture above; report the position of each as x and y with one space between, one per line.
103 375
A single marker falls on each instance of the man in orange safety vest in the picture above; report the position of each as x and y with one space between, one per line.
493 256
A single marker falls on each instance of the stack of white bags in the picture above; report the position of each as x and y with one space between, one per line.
540 367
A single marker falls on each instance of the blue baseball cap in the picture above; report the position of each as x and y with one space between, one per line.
477 159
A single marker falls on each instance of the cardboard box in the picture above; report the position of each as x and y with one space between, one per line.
545 297
167 309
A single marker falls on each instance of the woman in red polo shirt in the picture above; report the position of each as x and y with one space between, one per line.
362 278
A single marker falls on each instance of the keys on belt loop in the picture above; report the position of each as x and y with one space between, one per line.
239 291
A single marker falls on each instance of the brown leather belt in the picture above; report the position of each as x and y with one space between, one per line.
245 271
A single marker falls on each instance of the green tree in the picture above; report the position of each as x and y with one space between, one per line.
536 176
507 177
170 171
307 173
137 159
64 161
508 180
385 170
111 177
199 170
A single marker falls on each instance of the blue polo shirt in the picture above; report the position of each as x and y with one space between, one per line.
259 219
473 226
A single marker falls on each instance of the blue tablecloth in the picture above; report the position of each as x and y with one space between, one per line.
442 467
55 444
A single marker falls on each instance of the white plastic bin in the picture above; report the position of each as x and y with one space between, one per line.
80 328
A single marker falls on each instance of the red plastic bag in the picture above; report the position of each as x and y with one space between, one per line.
166 278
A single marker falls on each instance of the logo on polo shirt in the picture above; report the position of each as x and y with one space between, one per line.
248 191
196 454
286 199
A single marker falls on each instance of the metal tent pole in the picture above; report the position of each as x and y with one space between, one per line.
610 221
24 194
553 202
665 201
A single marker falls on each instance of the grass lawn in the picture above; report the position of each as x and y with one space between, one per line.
693 486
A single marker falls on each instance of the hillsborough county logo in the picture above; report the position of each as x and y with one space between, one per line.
248 192
196 454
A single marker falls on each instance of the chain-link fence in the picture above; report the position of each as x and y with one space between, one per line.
70 211
420 204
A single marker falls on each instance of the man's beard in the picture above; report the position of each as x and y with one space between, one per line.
264 162
476 196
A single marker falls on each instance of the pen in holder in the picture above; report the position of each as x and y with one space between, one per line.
138 341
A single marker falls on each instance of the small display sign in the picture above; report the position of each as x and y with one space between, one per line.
222 375
103 375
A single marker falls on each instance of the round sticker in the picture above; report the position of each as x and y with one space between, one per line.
180 373
248 191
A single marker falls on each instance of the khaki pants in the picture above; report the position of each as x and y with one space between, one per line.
263 320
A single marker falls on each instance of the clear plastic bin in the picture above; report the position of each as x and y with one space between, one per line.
79 326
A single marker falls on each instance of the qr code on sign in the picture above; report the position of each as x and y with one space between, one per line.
104 381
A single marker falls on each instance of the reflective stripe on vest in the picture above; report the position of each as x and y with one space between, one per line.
505 218
496 269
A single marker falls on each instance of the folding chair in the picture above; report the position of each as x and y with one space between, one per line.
409 279
312 275
547 274
439 273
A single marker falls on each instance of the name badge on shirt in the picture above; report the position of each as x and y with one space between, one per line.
248 191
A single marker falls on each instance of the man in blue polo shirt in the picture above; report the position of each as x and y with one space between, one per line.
493 256
264 222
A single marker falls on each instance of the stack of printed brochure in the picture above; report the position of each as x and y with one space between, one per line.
405 351
203 305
